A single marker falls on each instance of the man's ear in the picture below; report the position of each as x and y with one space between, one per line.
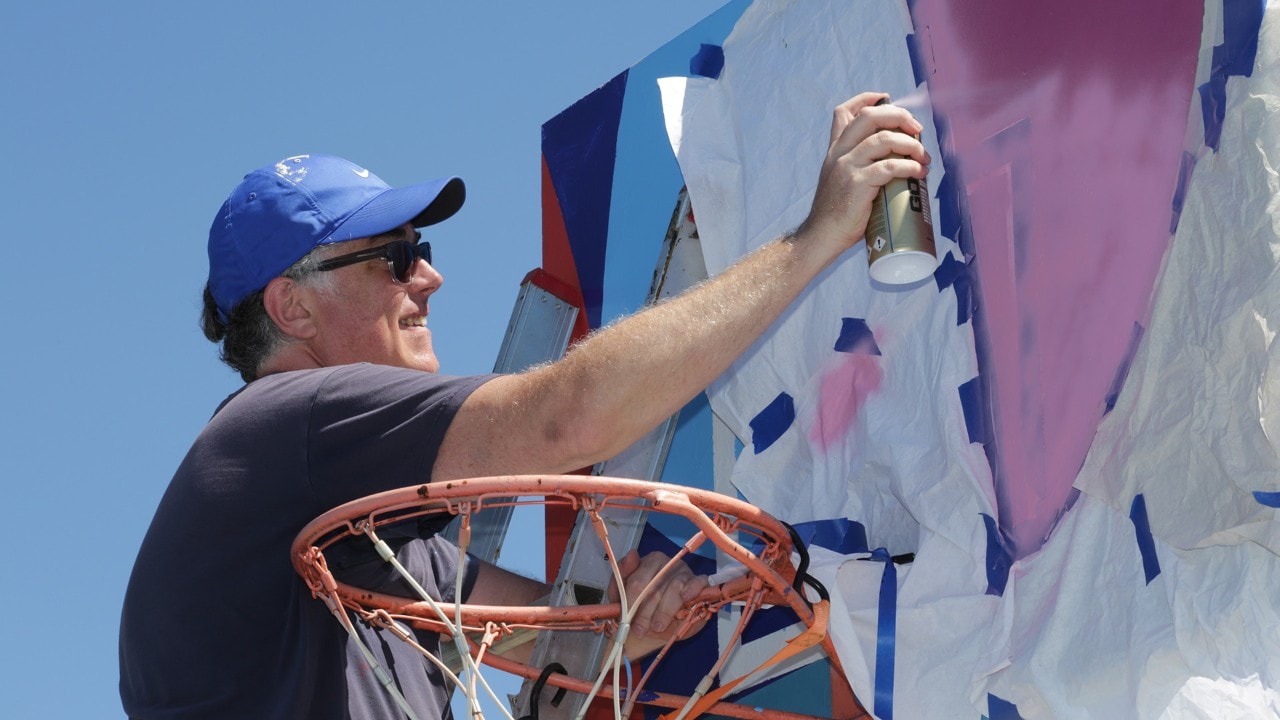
288 304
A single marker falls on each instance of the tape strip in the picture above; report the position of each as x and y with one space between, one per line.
1146 543
769 424
1270 499
999 557
1000 709
886 632
708 62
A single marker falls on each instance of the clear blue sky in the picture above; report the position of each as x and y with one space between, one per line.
124 126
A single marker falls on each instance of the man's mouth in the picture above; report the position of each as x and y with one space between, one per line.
415 321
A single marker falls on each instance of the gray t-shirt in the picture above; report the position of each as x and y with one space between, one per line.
216 623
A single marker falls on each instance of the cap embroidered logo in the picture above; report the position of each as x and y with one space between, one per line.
296 173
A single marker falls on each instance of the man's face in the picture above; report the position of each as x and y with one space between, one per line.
363 315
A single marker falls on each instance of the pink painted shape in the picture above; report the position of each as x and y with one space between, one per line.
1066 124
844 389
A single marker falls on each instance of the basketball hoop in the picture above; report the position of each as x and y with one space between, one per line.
767 577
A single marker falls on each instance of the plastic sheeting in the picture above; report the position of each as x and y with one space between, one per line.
1156 593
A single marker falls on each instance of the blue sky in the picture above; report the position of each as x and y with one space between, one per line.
124 127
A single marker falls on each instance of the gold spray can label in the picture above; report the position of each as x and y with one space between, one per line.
900 233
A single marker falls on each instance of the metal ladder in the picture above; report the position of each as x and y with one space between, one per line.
538 332
585 574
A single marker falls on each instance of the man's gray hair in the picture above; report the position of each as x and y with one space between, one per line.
250 337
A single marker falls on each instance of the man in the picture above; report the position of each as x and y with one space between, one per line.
319 294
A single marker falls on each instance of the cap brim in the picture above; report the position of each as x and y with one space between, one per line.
422 205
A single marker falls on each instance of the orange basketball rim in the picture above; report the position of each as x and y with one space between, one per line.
763 575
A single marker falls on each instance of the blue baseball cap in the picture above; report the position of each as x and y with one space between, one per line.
281 212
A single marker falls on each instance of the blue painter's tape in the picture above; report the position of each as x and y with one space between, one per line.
1270 499
963 289
837 534
840 535
999 557
708 62
1122 371
856 337
1146 543
1000 709
1185 167
949 270
948 194
971 403
956 272
1213 110
917 60
771 422
886 631
1241 20
953 272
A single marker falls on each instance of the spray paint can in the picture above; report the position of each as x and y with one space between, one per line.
899 234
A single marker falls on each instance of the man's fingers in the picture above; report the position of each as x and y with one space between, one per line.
868 121
629 563
849 109
640 576
660 611
886 143
667 605
680 592
694 588
626 566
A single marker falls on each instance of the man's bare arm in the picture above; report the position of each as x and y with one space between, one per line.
619 383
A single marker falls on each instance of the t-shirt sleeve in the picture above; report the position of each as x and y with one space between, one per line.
376 428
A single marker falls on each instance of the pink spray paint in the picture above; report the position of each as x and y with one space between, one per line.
843 391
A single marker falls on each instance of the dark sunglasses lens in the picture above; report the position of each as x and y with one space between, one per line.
402 257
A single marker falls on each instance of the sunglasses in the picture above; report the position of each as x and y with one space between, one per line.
400 256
